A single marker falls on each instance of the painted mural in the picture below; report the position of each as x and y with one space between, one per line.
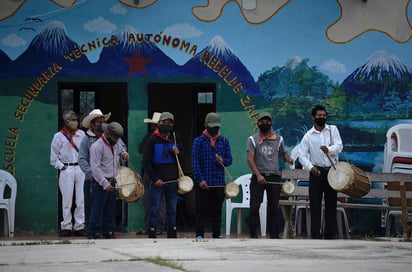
276 55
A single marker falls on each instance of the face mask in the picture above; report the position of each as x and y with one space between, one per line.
213 131
100 128
164 129
265 127
73 124
111 142
320 121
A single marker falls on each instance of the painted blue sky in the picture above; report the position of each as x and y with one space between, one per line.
298 29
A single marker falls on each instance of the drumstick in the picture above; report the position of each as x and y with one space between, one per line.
227 171
275 182
170 181
333 165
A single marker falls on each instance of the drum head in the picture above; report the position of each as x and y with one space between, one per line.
130 187
288 187
185 184
232 189
340 175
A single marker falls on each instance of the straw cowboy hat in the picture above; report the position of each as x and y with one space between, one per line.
154 120
94 114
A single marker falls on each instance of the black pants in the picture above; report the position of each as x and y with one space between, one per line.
87 203
319 186
209 205
256 198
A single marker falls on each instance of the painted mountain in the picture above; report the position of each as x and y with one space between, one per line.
296 79
156 64
48 47
382 84
5 62
218 48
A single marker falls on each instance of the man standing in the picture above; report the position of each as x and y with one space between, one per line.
93 122
160 163
105 155
210 155
161 224
64 155
319 150
263 150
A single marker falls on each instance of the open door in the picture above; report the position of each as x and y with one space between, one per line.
83 97
189 103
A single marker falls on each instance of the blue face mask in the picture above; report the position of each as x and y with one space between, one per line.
100 128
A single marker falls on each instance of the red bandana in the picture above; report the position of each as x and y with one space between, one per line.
107 142
69 135
157 134
211 138
270 136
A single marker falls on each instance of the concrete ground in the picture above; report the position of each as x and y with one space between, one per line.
131 252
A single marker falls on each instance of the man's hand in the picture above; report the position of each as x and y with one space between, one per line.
261 179
109 188
125 156
159 183
324 149
315 171
203 185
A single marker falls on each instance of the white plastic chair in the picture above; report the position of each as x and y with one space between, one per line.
8 204
244 182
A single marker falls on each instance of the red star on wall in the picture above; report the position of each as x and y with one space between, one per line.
137 63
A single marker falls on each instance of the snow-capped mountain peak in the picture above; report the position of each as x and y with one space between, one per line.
130 46
53 39
382 61
219 47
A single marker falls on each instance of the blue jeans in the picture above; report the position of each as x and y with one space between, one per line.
103 210
169 191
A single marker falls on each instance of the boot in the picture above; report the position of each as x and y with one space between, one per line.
151 233
171 232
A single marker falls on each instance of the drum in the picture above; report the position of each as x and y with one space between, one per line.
184 184
348 179
288 187
129 185
232 189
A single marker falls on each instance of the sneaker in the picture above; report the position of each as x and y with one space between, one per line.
109 235
141 232
199 237
81 232
151 233
217 237
171 232
65 233
94 236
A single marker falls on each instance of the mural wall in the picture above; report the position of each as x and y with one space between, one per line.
276 55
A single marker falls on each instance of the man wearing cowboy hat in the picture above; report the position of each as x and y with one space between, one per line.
93 122
161 226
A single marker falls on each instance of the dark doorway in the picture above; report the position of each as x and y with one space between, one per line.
189 103
84 97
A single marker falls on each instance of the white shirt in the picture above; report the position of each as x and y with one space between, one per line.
62 151
310 153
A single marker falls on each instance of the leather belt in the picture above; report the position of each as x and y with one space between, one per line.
322 168
71 163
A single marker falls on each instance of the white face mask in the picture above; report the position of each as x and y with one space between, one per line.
73 124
